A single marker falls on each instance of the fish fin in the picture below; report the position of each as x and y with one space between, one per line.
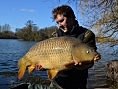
31 68
52 73
70 64
21 71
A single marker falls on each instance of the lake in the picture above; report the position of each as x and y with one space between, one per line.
11 50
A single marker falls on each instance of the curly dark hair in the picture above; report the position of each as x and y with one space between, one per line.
65 10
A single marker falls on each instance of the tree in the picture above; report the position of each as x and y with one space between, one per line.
6 27
102 15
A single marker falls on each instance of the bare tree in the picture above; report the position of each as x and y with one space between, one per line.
6 27
102 15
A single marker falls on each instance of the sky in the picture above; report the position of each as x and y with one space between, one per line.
17 12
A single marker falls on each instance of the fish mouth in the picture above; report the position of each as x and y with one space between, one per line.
97 57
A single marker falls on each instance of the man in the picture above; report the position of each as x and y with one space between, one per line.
68 26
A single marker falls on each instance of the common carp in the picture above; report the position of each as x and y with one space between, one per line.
56 54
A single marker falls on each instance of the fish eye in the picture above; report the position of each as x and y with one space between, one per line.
87 51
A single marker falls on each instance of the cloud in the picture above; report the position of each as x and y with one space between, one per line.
28 10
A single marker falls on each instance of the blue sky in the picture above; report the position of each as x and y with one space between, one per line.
17 12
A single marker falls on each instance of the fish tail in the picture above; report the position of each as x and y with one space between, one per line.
21 71
23 64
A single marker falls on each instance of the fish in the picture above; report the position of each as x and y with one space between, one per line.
56 54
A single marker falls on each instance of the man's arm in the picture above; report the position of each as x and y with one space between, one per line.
89 38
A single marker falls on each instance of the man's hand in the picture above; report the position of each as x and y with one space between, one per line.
39 67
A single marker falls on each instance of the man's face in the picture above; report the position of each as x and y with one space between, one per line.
64 23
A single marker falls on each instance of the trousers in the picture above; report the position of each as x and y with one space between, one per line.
73 79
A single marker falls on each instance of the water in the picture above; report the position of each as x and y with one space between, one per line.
11 50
